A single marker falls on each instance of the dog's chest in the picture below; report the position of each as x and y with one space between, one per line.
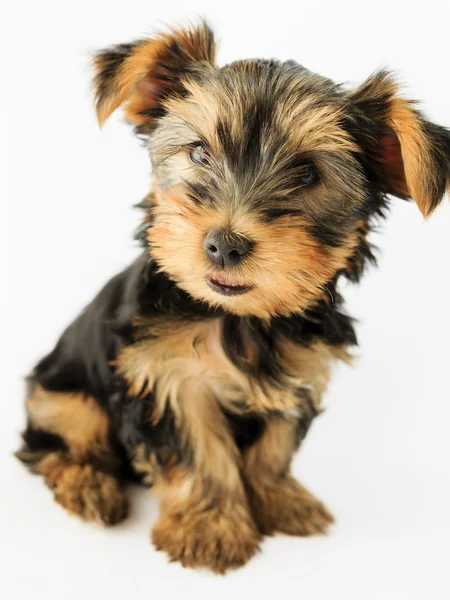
179 358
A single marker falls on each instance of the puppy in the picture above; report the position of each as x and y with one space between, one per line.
199 369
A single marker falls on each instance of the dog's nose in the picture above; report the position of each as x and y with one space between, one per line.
226 249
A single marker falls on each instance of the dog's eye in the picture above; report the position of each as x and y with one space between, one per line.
198 155
307 175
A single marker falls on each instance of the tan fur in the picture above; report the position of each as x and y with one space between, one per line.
216 475
415 150
409 157
310 367
205 518
197 114
77 485
186 369
83 490
311 128
278 501
271 456
198 531
287 507
215 454
75 417
317 129
141 78
145 465
205 509
288 268
183 360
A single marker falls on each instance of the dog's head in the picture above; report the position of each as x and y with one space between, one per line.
266 174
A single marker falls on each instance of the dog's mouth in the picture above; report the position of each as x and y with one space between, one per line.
223 286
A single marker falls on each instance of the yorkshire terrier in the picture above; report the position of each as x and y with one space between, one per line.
199 369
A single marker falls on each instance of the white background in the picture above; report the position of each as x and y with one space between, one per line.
379 456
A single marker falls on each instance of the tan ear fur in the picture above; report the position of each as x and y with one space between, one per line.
141 75
414 153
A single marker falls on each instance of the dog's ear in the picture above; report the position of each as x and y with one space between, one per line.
414 153
141 75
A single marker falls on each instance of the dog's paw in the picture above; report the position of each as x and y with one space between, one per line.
90 494
209 539
287 507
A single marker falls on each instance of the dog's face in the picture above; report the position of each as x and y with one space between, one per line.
266 175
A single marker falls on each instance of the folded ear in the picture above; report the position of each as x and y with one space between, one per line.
143 74
414 153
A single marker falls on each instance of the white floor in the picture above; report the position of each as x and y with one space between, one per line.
391 542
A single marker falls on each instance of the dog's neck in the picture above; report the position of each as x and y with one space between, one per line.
158 295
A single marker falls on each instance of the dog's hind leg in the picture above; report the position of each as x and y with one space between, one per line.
278 501
68 442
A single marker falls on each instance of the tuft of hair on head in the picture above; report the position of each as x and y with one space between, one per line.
413 152
141 75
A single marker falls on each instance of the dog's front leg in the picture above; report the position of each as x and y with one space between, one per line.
205 519
278 501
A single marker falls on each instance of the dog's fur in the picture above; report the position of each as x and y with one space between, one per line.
206 396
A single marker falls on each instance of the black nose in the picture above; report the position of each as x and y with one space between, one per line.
226 249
